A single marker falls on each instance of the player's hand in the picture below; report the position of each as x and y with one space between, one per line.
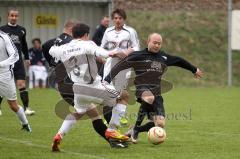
198 73
121 54
100 60
112 54
28 63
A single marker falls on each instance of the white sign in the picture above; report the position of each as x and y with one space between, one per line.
235 30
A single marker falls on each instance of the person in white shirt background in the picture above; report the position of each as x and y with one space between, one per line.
119 37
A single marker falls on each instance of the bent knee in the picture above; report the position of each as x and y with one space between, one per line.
124 98
21 84
148 97
160 123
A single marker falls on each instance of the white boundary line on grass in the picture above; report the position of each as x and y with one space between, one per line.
29 143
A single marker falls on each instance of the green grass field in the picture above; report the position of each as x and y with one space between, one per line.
203 123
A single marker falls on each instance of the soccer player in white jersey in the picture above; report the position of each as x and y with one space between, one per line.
79 58
8 56
123 38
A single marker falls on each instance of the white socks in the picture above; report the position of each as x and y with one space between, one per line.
67 124
118 112
21 115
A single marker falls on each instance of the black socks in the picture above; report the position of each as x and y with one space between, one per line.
107 113
100 127
24 97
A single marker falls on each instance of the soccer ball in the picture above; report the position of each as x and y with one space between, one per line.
156 135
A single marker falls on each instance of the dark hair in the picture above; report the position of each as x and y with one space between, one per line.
36 39
79 30
120 12
12 9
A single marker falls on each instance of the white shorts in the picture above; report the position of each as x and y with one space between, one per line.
121 79
39 72
87 94
7 86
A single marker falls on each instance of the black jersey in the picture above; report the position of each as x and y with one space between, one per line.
149 68
98 35
18 36
60 40
60 70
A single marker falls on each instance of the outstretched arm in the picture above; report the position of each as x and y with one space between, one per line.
122 65
180 62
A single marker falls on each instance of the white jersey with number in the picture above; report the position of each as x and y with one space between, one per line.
119 41
79 58
8 56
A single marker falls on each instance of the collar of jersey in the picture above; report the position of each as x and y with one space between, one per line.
12 24
123 27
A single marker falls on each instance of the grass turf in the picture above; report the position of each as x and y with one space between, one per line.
201 123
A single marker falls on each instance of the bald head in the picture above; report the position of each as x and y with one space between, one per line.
154 42
68 25
105 21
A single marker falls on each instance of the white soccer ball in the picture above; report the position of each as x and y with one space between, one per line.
156 135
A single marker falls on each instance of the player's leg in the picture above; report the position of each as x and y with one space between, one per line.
1 98
146 98
66 91
109 98
159 117
97 122
67 124
145 109
121 83
156 116
107 113
69 121
20 114
30 74
20 77
101 128
8 90
21 85
118 112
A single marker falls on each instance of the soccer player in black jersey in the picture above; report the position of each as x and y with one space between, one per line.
149 66
61 78
18 36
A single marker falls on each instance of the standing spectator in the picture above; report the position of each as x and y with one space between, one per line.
97 38
37 69
18 36
100 30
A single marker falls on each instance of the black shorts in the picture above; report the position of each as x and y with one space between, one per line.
66 91
19 70
154 90
157 108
